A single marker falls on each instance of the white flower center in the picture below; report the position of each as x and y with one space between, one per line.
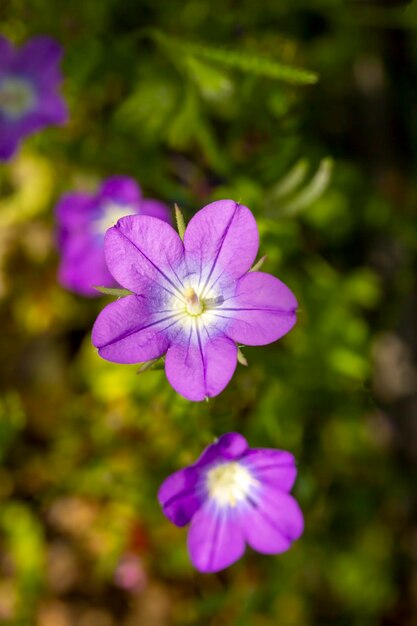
194 305
17 97
196 308
110 215
229 483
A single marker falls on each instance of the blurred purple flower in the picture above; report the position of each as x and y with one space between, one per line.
130 574
30 78
194 300
233 496
82 222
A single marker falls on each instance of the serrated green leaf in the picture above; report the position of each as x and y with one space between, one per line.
240 59
261 66
212 83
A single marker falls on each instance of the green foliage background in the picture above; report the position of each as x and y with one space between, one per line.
304 111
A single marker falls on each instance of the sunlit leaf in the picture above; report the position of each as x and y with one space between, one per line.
114 291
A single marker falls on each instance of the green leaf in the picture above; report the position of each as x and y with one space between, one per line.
240 59
148 110
258 264
179 217
189 125
241 358
184 123
212 83
12 420
312 191
154 364
293 179
23 537
117 293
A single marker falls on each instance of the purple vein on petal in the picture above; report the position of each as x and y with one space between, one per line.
270 521
140 329
216 533
179 496
215 283
200 272
189 340
162 286
223 317
260 468
151 262
226 230
234 296
265 309
206 329
176 275
200 347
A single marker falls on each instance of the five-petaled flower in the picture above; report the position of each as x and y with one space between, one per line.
193 300
82 222
29 98
233 496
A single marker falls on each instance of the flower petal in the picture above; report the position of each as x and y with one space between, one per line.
74 211
39 57
82 264
155 208
120 189
275 467
127 331
178 496
141 251
229 446
9 140
271 521
6 53
198 371
215 538
262 310
221 239
50 109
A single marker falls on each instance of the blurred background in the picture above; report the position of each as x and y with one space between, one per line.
305 111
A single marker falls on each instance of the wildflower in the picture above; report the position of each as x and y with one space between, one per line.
29 98
130 573
82 222
193 300
233 496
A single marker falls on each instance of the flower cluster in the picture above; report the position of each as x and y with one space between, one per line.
193 300
29 90
233 496
83 220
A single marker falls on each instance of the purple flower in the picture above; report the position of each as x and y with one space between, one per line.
29 97
233 496
82 222
130 573
193 300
